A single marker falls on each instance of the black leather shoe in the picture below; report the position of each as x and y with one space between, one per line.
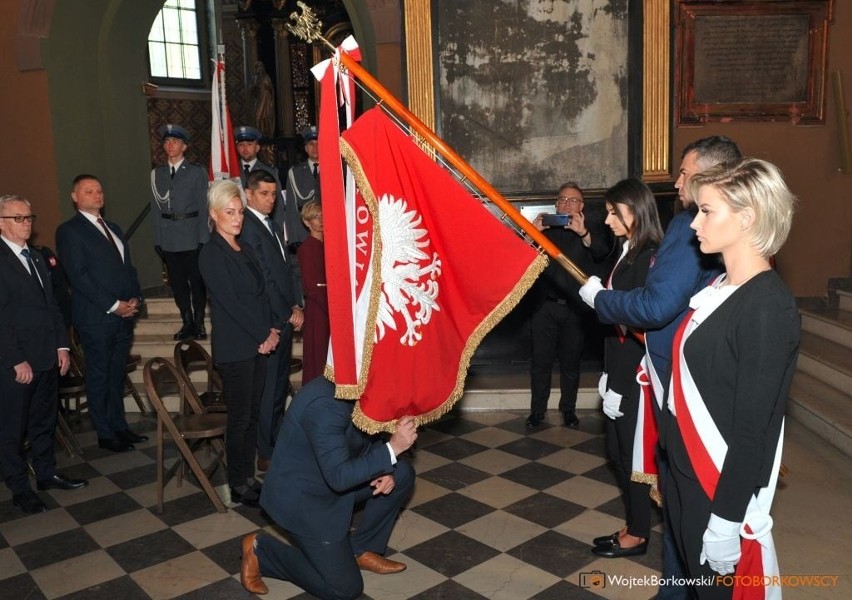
58 482
200 332
130 438
29 502
185 332
616 551
534 420
245 496
570 419
114 444
606 540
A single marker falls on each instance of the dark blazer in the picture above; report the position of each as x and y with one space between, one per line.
239 308
742 359
320 460
97 275
187 193
281 278
678 271
622 355
31 324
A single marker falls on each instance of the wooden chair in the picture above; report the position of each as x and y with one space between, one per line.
190 357
189 428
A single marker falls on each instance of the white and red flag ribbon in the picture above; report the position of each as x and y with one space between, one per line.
224 163
418 270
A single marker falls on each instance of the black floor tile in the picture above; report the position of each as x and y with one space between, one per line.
20 586
595 446
536 475
186 508
448 590
452 510
605 473
451 553
148 550
530 448
55 548
455 424
555 553
226 589
102 508
564 590
454 476
123 588
456 448
545 510
226 554
134 477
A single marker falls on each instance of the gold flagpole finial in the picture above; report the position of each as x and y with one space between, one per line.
306 26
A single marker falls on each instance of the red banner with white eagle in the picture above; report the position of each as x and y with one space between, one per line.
438 268
224 163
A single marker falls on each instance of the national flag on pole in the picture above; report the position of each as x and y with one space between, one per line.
439 270
224 163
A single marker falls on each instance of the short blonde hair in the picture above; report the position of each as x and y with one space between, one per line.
758 185
221 192
311 209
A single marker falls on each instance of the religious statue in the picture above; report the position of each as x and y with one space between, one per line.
263 98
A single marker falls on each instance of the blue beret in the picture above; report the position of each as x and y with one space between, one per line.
175 131
309 134
244 133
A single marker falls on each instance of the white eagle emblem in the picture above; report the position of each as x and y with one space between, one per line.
409 277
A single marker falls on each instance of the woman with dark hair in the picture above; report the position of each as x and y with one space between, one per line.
242 333
632 216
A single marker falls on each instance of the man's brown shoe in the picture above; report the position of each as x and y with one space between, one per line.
370 561
250 569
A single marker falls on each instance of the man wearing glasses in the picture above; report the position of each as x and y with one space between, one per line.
559 320
33 342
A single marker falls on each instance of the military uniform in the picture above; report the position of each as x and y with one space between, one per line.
179 220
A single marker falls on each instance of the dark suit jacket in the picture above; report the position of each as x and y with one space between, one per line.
622 356
31 324
320 460
280 277
239 308
742 359
678 271
97 275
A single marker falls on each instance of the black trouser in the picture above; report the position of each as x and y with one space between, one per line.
243 385
557 332
274 393
28 412
619 449
187 284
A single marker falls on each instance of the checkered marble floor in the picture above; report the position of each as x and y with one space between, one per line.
498 512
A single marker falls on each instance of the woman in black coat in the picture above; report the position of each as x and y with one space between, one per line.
632 216
242 333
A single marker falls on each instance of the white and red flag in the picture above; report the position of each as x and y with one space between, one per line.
224 163
418 271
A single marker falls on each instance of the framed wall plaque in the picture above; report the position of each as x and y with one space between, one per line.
752 61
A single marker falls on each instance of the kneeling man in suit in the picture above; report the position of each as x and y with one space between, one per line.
322 467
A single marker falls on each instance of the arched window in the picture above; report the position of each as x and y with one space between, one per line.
175 47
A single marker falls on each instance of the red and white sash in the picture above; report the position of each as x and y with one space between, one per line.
645 437
707 449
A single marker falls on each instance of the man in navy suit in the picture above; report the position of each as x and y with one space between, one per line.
284 289
33 341
105 296
678 271
321 469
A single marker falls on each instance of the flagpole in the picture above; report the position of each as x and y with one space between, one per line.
307 26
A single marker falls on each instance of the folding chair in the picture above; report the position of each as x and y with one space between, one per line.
190 357
189 428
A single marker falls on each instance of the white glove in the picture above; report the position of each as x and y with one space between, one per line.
602 384
721 548
590 289
611 404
